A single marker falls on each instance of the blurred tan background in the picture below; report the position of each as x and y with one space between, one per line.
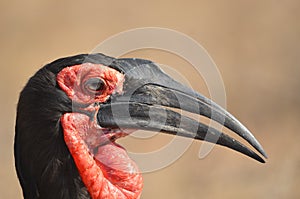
255 44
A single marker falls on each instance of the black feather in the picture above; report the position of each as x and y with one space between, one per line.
44 165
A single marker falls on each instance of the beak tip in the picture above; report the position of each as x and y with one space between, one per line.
260 149
264 154
259 158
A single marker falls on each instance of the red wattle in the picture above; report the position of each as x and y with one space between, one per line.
111 174
118 168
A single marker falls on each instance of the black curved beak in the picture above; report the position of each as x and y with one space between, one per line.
150 100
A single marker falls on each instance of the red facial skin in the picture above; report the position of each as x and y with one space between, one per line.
72 79
106 171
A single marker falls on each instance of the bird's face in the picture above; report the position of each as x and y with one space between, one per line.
88 102
92 146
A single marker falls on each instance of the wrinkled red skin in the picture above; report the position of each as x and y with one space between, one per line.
71 80
111 174
107 172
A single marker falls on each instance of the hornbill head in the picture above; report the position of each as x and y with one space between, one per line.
73 110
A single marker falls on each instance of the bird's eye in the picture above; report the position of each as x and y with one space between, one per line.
94 85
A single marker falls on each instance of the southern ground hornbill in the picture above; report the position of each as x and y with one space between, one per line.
73 110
